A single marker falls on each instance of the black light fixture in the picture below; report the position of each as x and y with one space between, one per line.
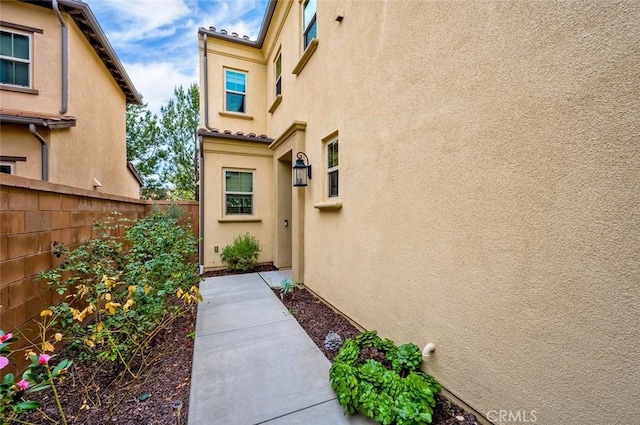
301 171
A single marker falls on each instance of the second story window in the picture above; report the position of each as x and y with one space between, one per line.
309 21
278 74
15 59
235 85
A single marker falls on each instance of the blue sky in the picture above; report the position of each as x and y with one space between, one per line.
157 40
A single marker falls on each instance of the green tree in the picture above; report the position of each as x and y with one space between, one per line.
178 125
145 150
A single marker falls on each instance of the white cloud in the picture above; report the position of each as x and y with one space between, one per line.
157 40
140 19
156 81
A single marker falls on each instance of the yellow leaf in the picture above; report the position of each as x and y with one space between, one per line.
100 327
89 343
146 289
179 292
107 296
128 305
45 313
28 354
47 346
81 316
132 288
91 308
58 337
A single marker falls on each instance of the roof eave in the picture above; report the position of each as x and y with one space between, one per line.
227 135
84 18
266 21
40 122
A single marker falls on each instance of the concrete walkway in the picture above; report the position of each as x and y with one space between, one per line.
253 363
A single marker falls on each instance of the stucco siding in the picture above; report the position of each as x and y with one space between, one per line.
46 52
489 185
488 172
16 141
221 228
96 146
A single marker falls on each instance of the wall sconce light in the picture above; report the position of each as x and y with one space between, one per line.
301 171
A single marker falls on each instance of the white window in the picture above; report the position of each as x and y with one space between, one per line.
309 22
15 58
278 74
7 167
332 169
235 84
238 191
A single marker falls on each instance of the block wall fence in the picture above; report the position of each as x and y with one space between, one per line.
35 214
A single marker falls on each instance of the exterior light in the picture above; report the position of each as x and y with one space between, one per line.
301 171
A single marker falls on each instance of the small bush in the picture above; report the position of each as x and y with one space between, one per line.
242 254
120 295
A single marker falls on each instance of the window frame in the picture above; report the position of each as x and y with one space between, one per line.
306 27
11 165
246 79
15 59
277 76
331 170
226 192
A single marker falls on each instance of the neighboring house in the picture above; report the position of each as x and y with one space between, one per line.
63 96
484 196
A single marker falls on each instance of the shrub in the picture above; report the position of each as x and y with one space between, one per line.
400 394
120 295
242 254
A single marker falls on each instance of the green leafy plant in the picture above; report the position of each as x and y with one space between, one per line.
399 394
40 375
242 254
122 294
287 286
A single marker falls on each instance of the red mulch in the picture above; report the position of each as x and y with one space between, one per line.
318 319
165 385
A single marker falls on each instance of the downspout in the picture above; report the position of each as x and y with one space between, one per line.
45 152
65 59
201 205
206 84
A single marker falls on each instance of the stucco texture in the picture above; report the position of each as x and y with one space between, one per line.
489 184
96 146
219 228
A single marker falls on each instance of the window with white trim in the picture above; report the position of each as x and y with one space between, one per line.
7 167
235 86
308 22
15 58
238 192
332 169
277 72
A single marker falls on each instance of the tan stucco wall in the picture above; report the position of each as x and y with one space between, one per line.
17 141
95 147
489 180
220 229
46 51
223 55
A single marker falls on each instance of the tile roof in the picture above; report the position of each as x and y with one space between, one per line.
239 135
44 119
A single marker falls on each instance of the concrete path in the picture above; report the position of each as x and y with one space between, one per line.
253 363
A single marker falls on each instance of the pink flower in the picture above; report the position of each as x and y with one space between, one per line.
43 359
22 385
3 362
5 337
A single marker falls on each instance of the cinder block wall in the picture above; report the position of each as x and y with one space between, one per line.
35 214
